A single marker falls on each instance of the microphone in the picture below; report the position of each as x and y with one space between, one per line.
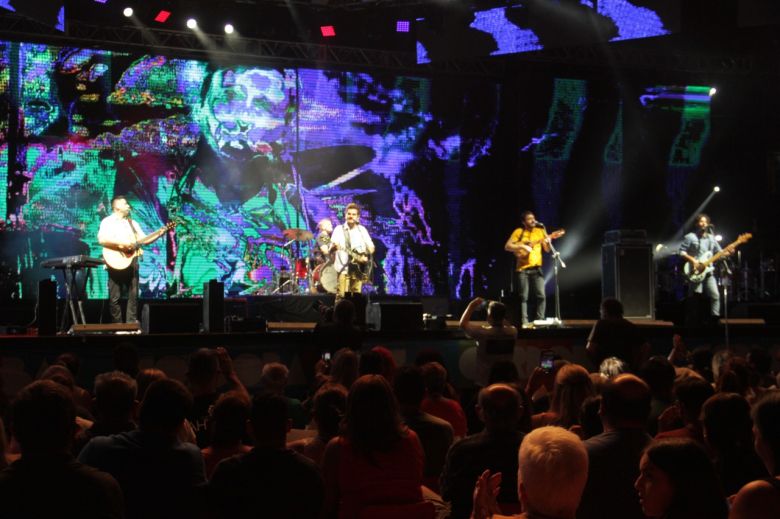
539 224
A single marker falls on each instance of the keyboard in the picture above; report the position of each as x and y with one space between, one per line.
78 261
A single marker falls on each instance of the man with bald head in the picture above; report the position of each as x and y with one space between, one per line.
495 449
614 454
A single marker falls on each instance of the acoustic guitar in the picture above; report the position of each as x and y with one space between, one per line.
528 245
120 260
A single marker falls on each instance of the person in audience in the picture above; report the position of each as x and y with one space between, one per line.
734 377
273 379
760 362
501 372
435 434
376 460
227 425
330 403
493 449
760 499
62 376
551 475
590 419
203 373
728 436
160 476
612 367
46 481
427 355
658 373
145 378
270 481
115 407
345 368
81 396
613 456
691 394
388 365
436 404
572 387
615 336
677 481
342 332
490 337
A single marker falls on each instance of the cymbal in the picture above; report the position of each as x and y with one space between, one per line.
297 234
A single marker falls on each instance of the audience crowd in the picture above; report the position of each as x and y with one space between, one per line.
690 435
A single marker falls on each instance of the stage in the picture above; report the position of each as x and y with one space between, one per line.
290 336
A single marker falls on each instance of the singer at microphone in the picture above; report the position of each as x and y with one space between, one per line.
528 243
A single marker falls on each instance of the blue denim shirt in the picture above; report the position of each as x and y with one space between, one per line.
694 245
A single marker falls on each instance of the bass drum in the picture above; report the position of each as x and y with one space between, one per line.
326 278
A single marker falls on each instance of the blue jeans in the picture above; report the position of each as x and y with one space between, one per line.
708 287
528 278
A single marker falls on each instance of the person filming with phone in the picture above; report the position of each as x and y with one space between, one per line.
495 339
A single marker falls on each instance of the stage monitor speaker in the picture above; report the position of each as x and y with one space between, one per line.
394 316
213 307
47 307
627 274
171 318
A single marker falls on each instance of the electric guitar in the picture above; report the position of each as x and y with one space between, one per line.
707 259
528 245
121 259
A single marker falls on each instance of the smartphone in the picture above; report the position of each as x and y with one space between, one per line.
546 359
326 356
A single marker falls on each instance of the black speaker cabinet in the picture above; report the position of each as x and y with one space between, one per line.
627 274
170 318
394 316
47 307
213 307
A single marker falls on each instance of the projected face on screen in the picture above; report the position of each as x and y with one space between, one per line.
237 155
245 112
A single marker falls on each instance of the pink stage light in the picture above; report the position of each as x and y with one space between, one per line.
402 26
162 16
328 31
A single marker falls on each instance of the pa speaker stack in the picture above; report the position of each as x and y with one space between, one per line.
627 272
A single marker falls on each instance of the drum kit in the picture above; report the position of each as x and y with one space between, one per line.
304 273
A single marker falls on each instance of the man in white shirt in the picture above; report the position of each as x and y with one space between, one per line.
354 249
121 233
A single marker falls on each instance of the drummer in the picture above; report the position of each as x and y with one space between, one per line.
325 229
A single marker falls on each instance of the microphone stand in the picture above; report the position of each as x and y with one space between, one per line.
556 261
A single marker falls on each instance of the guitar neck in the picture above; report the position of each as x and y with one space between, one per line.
721 253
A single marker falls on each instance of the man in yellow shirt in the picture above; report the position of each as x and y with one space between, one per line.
527 243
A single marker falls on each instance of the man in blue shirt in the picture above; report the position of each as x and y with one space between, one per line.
694 245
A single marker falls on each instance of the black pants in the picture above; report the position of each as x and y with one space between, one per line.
119 281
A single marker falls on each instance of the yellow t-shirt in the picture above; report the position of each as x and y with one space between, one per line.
534 259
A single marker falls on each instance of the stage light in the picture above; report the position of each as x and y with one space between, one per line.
716 189
162 16
713 91
192 23
229 29
402 26
659 247
328 31
101 1
718 237
128 12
